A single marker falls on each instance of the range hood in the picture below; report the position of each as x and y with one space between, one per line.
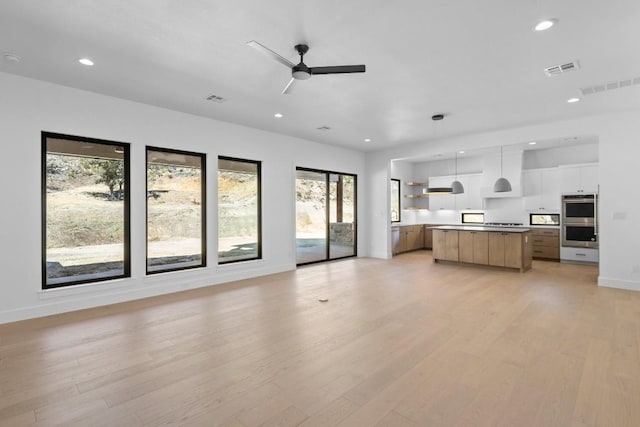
439 190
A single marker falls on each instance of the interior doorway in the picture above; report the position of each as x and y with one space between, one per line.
325 216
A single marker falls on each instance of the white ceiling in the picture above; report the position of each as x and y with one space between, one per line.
479 62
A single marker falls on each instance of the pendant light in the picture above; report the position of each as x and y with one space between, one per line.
502 185
456 186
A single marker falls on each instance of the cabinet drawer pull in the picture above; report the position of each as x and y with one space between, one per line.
581 254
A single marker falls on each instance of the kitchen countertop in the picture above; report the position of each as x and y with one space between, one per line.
482 228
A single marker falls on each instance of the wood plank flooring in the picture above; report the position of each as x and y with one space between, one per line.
403 342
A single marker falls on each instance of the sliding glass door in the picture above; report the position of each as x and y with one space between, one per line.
325 216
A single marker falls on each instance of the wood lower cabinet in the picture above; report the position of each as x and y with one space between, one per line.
473 247
445 245
415 237
428 237
500 249
406 238
505 249
546 244
510 250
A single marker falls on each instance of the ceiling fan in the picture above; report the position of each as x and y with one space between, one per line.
301 71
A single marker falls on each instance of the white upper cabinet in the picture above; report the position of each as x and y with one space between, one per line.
470 199
579 178
541 188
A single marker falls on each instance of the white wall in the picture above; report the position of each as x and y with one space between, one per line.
28 107
552 157
618 153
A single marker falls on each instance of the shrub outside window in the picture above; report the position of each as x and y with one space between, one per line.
85 210
239 210
176 194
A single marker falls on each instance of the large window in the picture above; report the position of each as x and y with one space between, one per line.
395 200
239 210
85 210
175 210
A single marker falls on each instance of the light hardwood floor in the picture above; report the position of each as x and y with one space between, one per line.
403 342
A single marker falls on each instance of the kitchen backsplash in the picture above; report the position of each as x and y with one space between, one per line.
496 210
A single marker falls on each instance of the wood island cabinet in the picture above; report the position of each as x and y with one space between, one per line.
473 247
445 245
485 247
505 250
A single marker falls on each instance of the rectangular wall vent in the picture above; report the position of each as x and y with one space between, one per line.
556 70
599 88
216 98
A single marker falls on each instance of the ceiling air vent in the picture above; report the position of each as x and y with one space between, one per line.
216 98
556 70
599 88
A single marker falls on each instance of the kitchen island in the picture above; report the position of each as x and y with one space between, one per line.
506 247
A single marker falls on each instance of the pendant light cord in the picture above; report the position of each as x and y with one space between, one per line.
456 165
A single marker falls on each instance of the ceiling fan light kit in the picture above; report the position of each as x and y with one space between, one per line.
301 71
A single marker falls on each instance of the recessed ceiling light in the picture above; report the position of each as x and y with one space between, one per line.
11 58
86 61
367 140
277 115
572 100
532 143
545 24
461 152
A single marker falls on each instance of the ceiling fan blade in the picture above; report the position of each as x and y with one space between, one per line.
338 69
271 54
289 87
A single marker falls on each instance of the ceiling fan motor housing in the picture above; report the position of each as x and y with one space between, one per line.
301 72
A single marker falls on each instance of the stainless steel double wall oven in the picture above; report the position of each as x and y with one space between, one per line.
580 220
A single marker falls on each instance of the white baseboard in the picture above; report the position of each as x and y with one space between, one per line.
619 284
379 255
65 300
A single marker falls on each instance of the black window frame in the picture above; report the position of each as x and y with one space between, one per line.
203 205
327 174
531 215
399 201
126 206
463 214
258 164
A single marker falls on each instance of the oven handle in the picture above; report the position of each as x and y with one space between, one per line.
595 214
